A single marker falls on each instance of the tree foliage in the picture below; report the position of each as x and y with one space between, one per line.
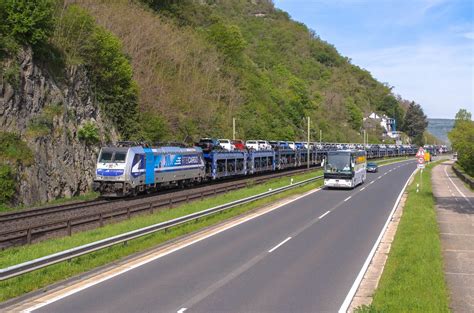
415 123
89 133
27 22
462 139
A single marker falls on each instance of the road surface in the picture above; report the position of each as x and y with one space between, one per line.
301 257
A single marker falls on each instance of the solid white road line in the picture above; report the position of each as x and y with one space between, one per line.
347 198
278 245
455 186
347 301
181 310
324 214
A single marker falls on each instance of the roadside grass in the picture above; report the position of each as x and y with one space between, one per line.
413 278
85 197
32 281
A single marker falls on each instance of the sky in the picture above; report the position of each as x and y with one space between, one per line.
423 48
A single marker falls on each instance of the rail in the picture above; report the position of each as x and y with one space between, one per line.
33 265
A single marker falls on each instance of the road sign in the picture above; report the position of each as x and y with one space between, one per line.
420 153
421 161
421 165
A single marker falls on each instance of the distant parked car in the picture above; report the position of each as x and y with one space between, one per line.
226 144
372 167
239 144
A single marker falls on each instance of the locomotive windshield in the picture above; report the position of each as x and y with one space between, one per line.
339 162
106 157
120 157
112 157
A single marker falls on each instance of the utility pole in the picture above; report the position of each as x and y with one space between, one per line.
233 128
320 136
309 122
364 139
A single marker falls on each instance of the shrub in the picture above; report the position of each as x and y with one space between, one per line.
89 133
11 74
26 21
40 126
7 183
154 127
14 150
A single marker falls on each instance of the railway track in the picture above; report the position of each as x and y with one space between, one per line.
34 225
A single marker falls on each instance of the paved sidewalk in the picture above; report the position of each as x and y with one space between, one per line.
455 210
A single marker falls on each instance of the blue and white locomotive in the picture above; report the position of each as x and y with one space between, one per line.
123 171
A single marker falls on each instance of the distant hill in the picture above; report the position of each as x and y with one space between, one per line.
440 127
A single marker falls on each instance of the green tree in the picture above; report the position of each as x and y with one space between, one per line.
415 123
228 39
28 21
355 114
461 116
462 138
154 128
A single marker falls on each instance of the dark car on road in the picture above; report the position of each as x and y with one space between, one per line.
372 167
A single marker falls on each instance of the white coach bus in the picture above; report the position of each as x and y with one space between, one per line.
345 168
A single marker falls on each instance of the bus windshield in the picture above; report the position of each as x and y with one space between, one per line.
338 163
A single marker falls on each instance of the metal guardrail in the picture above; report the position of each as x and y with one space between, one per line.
30 266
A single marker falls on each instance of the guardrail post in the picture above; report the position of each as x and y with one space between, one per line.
202 196
171 203
128 213
28 236
101 220
151 208
69 230
187 198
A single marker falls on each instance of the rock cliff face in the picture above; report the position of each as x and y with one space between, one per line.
63 165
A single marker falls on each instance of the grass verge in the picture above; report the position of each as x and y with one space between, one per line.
413 278
32 281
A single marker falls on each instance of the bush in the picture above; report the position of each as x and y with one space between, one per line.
26 21
40 126
14 150
11 74
89 133
7 184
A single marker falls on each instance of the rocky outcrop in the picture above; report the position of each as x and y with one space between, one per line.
63 165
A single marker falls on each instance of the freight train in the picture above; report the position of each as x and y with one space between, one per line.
128 168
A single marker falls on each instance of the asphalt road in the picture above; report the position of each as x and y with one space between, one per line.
297 258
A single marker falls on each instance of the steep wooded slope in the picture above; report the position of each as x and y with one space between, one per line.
199 63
